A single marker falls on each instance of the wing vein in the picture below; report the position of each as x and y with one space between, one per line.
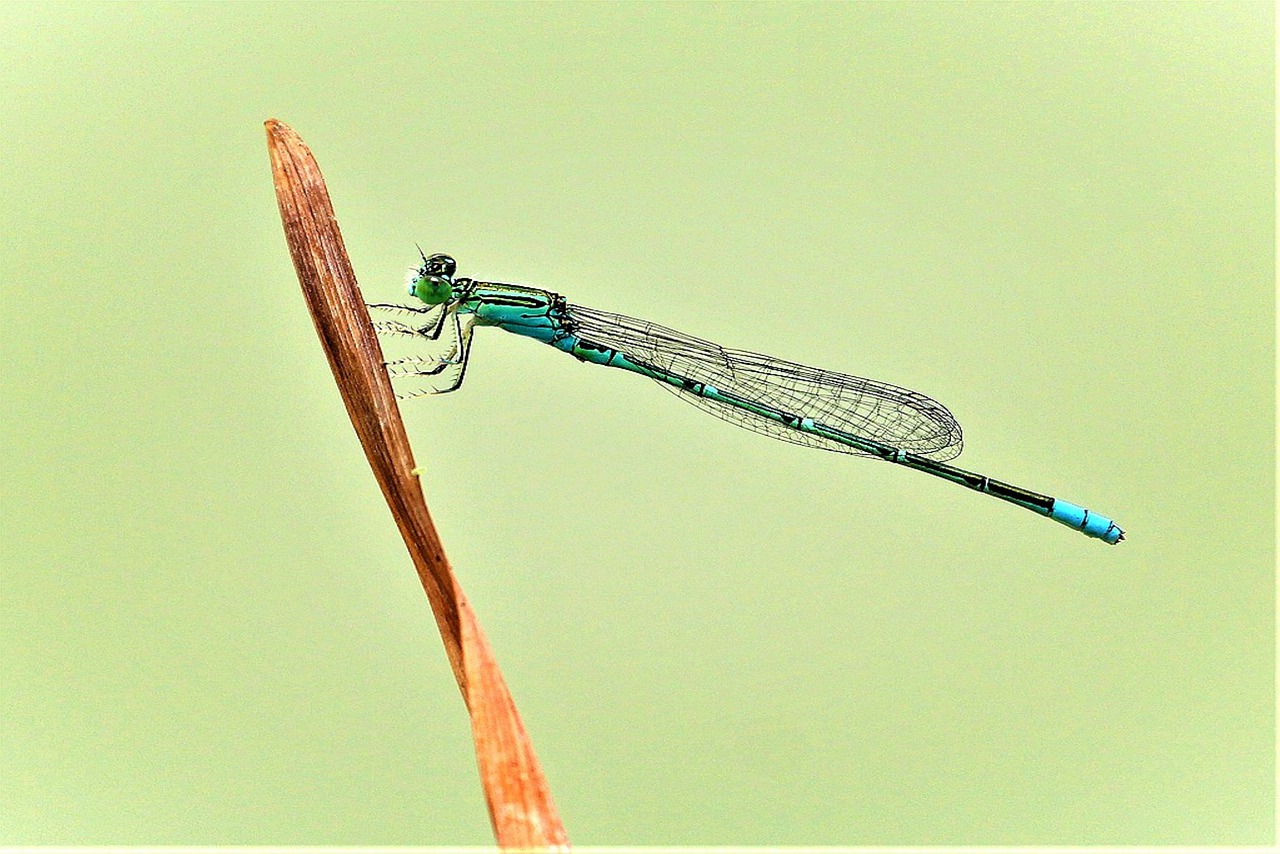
892 415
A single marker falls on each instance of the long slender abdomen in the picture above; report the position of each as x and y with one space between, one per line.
1089 523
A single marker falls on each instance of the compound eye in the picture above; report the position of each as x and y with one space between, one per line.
433 290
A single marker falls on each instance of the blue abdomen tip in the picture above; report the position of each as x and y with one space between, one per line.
1086 522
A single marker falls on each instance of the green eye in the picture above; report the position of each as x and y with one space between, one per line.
433 290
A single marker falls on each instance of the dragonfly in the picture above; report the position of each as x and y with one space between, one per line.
785 400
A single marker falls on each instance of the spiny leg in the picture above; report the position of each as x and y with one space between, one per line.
413 338
464 354
435 315
413 371
416 366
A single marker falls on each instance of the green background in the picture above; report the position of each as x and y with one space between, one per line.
1056 219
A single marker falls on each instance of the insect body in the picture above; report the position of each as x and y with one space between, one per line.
785 400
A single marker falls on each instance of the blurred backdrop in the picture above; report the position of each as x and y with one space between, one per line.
1056 219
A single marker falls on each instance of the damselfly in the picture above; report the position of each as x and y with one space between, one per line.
785 400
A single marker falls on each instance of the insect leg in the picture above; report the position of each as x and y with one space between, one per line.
464 354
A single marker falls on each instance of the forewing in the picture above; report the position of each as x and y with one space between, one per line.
894 416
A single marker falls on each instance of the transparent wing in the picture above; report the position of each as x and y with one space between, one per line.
886 413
